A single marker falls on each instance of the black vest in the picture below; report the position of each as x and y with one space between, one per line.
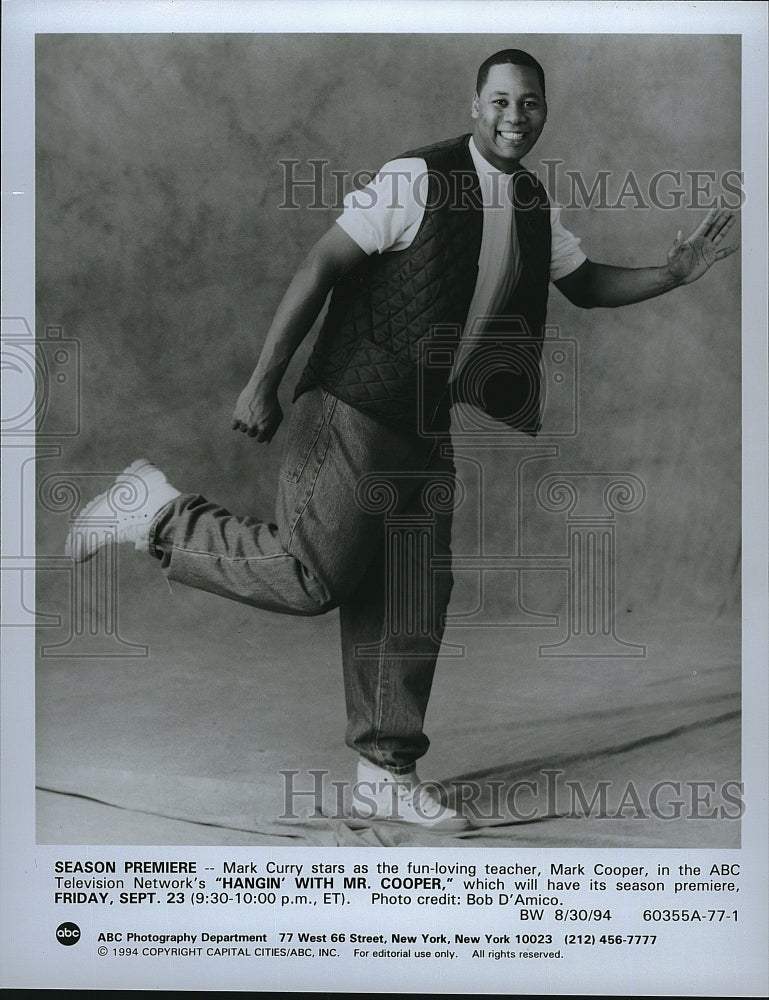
389 339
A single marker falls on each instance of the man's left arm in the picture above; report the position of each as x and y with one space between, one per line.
603 285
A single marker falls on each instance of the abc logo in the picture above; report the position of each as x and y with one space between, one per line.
68 933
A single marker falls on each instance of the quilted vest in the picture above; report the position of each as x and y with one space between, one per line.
388 343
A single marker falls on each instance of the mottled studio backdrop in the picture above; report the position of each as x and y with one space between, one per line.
162 249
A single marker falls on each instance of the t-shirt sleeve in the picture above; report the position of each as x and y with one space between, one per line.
565 254
387 213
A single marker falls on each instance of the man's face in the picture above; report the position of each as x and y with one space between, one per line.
510 113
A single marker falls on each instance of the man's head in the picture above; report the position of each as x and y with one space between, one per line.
509 107
511 57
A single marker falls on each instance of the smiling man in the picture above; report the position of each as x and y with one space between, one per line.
445 238
509 109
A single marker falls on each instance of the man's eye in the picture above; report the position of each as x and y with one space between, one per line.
501 102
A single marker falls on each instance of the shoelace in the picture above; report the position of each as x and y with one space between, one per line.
419 797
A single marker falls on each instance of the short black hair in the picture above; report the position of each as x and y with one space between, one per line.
513 57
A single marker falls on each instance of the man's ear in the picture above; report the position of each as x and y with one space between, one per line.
476 111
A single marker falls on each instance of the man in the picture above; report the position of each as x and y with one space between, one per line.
446 237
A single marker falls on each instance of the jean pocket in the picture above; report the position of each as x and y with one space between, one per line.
308 418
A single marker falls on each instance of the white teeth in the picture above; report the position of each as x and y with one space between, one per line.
516 136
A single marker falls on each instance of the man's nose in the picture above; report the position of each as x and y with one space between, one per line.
515 113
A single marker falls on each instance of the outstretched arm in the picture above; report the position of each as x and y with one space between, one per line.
603 285
257 411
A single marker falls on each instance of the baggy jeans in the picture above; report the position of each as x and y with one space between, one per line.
362 523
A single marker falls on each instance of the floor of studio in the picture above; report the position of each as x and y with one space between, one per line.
185 737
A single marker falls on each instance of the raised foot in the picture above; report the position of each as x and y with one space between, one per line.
123 513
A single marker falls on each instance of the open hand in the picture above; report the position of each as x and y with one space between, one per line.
257 412
690 259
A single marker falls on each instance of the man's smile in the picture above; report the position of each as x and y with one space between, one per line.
510 136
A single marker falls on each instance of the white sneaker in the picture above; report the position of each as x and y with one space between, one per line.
123 513
402 798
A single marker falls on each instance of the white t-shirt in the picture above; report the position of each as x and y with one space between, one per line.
386 215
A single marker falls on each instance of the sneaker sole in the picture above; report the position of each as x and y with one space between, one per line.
439 826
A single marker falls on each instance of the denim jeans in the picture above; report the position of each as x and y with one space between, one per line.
362 511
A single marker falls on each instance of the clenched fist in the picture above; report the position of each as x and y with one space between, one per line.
257 412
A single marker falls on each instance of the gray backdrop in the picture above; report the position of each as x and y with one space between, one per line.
161 248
